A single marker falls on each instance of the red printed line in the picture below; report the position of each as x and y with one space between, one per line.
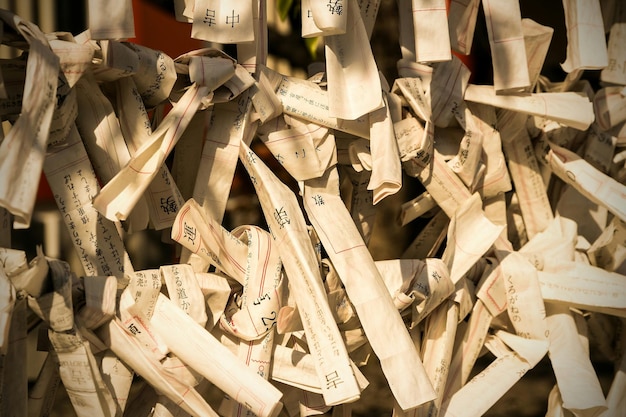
296 136
180 120
181 217
255 329
495 179
138 171
183 395
431 9
202 64
507 40
500 308
329 240
265 263
258 400
228 256
585 24
68 165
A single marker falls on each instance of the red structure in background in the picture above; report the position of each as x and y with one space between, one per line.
467 59
158 29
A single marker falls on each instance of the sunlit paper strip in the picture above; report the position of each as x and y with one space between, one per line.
586 44
289 230
377 313
571 109
508 52
23 149
430 28
223 21
119 196
350 65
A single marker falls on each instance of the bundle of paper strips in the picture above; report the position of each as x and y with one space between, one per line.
522 254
